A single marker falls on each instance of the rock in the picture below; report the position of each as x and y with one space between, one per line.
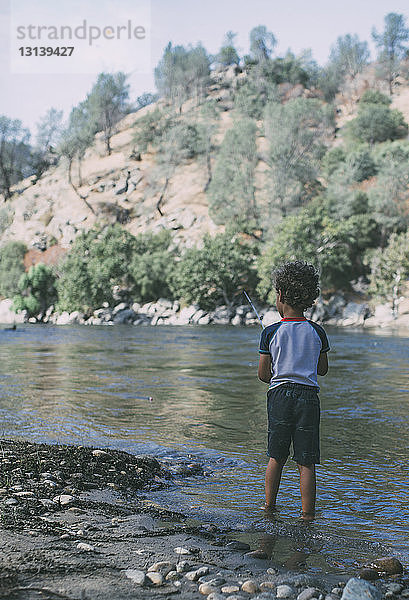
205 320
216 596
64 499
236 320
173 576
206 588
124 316
358 589
354 313
216 581
368 574
230 589
236 545
121 187
85 547
155 578
186 314
99 453
335 305
163 567
7 315
309 593
136 576
271 316
222 315
63 318
183 566
235 597
257 554
181 551
24 494
394 588
250 586
387 565
284 591
267 586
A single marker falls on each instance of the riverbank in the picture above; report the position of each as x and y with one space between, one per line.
77 523
338 310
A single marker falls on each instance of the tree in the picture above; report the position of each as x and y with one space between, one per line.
15 154
11 267
377 123
228 54
296 132
262 43
145 99
37 291
349 55
231 191
49 130
152 266
253 94
390 268
108 103
218 272
182 73
150 128
207 127
391 45
75 140
335 246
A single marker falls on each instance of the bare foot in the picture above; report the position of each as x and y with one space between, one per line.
269 510
307 516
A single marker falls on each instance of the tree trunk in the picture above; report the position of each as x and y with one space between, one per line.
160 201
209 171
70 181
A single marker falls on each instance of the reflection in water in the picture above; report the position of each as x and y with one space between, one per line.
91 385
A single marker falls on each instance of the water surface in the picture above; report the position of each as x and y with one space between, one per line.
91 385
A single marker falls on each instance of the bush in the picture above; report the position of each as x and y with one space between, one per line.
11 267
375 97
360 165
100 260
37 291
377 123
389 267
335 246
217 273
332 160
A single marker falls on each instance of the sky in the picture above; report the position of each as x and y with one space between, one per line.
296 24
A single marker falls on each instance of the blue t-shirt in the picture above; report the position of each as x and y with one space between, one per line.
294 344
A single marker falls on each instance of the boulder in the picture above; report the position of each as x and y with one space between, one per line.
124 316
121 187
7 315
63 318
354 313
359 589
222 315
335 305
271 316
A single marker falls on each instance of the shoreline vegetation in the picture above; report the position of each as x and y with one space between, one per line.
337 310
76 522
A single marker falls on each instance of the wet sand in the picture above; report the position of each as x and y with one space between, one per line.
77 523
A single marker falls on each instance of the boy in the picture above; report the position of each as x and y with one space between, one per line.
292 353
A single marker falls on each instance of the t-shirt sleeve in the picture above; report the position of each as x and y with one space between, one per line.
322 335
264 349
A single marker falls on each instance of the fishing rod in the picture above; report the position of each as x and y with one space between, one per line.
253 307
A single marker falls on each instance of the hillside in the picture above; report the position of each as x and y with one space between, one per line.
118 188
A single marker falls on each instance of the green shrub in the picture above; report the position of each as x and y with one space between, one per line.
360 165
37 291
11 267
375 97
389 267
377 123
217 273
332 160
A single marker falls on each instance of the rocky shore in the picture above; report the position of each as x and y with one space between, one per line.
338 310
76 523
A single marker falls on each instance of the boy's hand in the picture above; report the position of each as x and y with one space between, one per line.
264 368
322 367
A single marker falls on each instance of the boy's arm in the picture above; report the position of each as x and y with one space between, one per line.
322 367
264 368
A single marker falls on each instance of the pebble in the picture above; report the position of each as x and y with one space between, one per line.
216 596
216 581
368 574
197 574
235 597
65 536
395 588
266 586
337 591
250 586
272 571
10 501
24 494
230 589
163 567
155 578
173 576
284 591
405 593
85 547
359 589
181 551
47 502
64 499
3 491
183 566
99 453
236 545
205 589
309 593
388 565
136 576
256 554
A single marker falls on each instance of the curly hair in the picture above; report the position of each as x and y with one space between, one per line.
298 282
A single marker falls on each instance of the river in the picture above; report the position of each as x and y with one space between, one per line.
91 385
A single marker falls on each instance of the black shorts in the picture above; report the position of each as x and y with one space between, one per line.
294 416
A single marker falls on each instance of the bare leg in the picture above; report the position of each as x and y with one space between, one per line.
273 478
308 490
